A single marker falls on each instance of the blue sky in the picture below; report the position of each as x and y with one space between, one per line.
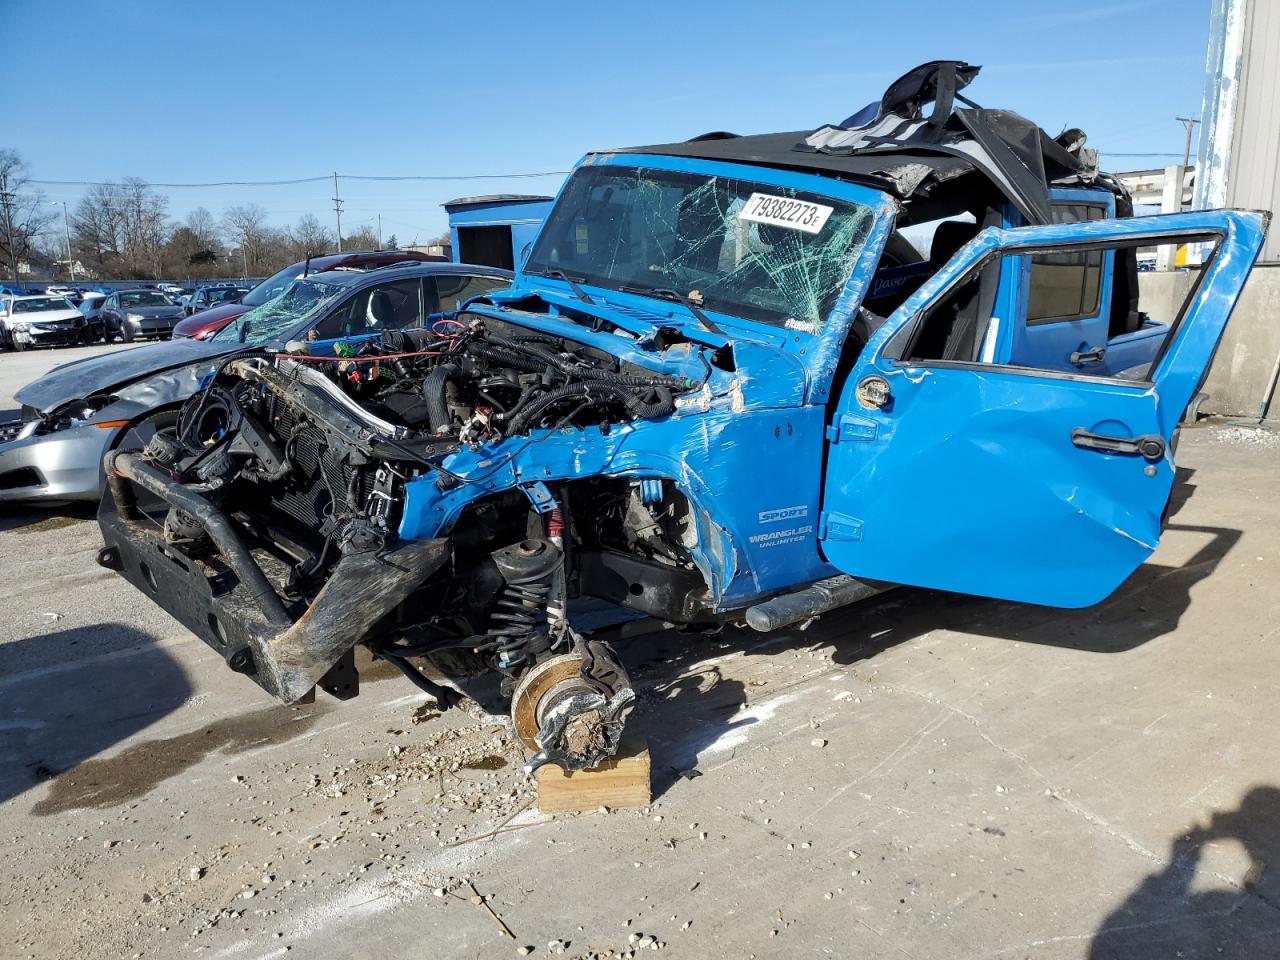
183 92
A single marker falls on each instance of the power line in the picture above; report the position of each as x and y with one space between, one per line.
284 183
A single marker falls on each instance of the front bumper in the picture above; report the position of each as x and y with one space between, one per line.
153 326
227 594
61 335
54 467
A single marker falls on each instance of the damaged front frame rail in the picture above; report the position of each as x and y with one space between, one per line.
227 600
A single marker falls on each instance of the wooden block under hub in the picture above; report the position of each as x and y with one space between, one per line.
620 783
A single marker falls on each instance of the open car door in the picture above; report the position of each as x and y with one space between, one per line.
947 470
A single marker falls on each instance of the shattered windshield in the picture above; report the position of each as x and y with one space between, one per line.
751 250
300 303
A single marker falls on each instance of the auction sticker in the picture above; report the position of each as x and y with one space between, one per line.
785 212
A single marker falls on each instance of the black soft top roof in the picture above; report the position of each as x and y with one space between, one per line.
893 146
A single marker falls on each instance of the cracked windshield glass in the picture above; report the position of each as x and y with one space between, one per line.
302 302
751 250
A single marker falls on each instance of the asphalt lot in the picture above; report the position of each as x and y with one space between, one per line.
19 369
923 776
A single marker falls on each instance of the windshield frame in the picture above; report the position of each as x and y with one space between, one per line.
862 258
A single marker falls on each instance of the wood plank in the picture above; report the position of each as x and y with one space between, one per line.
620 783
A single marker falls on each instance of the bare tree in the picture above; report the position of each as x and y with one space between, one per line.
309 238
362 239
24 212
145 226
194 249
96 229
122 228
246 228
204 228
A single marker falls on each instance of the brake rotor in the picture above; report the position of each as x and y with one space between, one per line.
534 687
563 718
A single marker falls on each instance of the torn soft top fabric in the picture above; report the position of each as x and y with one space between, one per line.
895 147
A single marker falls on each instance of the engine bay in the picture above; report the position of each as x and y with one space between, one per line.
311 451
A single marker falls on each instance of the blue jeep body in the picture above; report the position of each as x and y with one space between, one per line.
785 448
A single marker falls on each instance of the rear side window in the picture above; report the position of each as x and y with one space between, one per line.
454 290
1066 286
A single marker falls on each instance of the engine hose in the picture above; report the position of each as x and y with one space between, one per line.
434 389
636 407
585 371
531 405
506 357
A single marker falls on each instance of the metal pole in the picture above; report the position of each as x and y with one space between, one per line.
1186 152
337 209
66 234
8 224
379 231
244 252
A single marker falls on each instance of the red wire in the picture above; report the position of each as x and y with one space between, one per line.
367 358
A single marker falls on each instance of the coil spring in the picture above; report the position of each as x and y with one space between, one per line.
515 621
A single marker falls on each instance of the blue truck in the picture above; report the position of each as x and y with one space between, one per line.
738 380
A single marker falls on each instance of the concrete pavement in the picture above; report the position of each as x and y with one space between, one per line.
924 775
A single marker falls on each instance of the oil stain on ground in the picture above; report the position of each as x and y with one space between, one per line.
53 522
131 774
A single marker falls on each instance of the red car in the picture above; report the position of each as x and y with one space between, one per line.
201 325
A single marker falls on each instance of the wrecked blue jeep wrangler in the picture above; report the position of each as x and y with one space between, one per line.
737 380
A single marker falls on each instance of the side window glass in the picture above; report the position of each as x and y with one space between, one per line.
391 306
965 325
1066 286
454 290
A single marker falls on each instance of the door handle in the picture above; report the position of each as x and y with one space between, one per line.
1093 355
1150 447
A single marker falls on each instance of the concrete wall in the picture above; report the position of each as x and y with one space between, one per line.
1238 379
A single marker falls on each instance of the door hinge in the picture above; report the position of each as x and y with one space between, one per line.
848 427
838 526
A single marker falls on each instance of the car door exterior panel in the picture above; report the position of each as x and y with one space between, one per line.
1023 484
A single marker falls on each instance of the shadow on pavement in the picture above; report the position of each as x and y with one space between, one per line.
684 713
35 518
1148 605
61 704
1165 917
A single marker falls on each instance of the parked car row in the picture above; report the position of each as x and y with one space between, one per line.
161 311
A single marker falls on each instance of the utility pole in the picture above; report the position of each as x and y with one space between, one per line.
337 209
66 235
1186 150
5 201
379 231
244 252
